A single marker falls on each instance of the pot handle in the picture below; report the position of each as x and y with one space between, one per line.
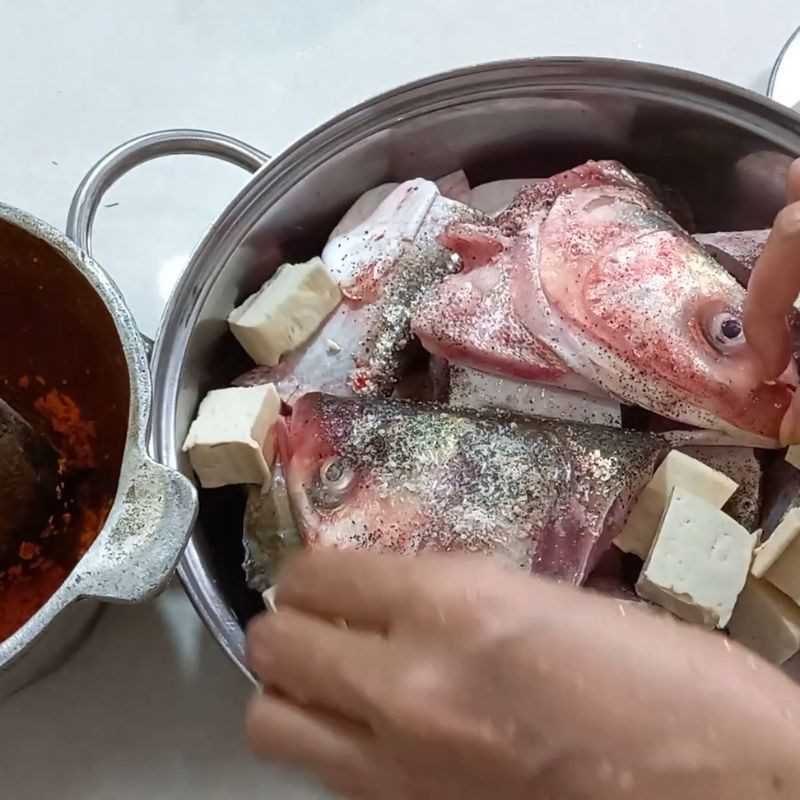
147 531
111 167
149 524
175 142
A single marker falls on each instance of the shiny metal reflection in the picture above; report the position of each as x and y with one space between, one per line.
784 82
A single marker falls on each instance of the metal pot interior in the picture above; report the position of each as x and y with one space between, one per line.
63 367
724 149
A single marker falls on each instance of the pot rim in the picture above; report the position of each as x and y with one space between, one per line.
106 571
491 80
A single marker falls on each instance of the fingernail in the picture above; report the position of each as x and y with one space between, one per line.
790 429
269 598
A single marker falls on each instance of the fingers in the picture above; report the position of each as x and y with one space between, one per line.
339 752
366 589
793 183
379 591
773 288
315 663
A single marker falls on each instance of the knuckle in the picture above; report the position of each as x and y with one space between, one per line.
416 699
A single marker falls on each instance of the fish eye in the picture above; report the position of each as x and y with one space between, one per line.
336 474
725 331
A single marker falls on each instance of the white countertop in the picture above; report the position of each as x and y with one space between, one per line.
150 707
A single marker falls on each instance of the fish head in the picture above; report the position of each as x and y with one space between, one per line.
344 489
656 317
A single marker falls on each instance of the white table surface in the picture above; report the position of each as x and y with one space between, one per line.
150 707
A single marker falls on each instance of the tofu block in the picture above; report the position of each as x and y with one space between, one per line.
231 441
793 455
285 312
778 559
677 470
699 561
766 621
782 539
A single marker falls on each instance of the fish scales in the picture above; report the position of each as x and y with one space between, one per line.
543 495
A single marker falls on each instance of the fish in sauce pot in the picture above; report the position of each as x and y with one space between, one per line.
544 495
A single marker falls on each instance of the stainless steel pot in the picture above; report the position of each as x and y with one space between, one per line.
140 542
725 148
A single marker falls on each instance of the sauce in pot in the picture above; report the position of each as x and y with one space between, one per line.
62 368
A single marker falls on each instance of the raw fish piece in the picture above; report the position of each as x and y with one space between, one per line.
546 496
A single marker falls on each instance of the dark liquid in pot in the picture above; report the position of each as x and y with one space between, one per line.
62 368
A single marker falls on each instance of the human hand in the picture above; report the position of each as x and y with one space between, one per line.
773 288
456 678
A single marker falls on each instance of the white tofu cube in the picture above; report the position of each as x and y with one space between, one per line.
778 559
230 441
285 312
677 470
766 621
699 562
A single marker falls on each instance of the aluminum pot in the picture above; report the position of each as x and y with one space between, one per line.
724 148
62 317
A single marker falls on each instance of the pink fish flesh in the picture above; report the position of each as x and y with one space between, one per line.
585 274
470 318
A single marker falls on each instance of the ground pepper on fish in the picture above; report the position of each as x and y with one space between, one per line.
544 495
422 265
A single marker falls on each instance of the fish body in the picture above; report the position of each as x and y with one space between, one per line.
384 267
544 495
454 186
468 388
604 281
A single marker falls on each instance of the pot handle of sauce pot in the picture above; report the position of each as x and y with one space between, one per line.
143 538
156 506
175 142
